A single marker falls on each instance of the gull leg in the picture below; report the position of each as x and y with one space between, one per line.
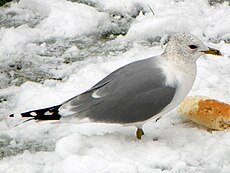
139 133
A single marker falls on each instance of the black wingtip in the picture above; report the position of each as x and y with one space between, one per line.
11 115
50 113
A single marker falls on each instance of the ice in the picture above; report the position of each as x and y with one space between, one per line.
52 50
47 39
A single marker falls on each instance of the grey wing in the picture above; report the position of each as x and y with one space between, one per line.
133 93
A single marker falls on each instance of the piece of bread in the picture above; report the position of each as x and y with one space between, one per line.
207 112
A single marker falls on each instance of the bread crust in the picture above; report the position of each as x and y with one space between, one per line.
207 112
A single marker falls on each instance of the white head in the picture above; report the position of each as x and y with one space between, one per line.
186 48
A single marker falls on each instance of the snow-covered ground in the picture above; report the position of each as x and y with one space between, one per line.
51 50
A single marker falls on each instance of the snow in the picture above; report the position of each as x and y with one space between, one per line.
52 50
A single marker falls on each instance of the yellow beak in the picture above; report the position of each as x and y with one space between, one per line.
212 52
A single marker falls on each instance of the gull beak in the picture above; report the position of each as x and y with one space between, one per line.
212 52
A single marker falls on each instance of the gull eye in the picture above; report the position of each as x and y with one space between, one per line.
192 46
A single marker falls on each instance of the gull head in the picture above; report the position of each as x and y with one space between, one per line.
186 48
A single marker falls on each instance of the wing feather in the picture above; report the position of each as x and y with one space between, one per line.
133 93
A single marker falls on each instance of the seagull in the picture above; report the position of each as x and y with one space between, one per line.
137 92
